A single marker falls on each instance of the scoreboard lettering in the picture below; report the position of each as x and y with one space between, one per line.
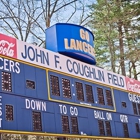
84 70
102 115
72 110
9 65
35 105
34 55
116 80
134 98
124 118
80 45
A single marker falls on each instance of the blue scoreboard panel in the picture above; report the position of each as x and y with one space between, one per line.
46 101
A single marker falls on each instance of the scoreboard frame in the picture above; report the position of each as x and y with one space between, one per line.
63 102
32 56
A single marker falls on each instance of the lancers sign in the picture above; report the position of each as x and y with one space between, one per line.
71 40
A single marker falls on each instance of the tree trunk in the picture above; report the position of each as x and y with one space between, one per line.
134 70
112 55
121 48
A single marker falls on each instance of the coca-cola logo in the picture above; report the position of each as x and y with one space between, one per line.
6 48
133 87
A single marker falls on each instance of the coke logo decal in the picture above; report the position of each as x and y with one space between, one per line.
8 46
133 85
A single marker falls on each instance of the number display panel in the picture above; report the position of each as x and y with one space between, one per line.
73 90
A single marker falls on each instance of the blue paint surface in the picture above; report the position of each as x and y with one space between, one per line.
61 32
25 101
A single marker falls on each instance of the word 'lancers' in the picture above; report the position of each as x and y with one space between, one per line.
79 45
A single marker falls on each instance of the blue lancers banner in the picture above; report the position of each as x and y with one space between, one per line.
71 40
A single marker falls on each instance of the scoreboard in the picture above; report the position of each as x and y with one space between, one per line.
47 93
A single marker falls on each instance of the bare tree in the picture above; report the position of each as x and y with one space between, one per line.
27 19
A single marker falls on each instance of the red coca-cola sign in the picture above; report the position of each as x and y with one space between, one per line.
8 46
132 85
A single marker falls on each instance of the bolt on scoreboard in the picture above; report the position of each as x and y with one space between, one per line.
47 93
